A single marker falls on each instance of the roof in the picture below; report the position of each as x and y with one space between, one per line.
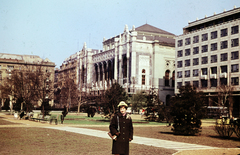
214 17
150 28
162 40
23 58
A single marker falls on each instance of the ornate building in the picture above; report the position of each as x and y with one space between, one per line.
142 58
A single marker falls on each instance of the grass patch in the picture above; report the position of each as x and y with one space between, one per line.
76 119
39 141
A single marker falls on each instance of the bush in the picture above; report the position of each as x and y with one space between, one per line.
187 110
224 131
236 130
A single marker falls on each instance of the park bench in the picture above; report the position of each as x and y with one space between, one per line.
40 117
55 119
34 117
47 118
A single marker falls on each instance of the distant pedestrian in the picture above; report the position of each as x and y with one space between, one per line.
121 127
64 113
21 115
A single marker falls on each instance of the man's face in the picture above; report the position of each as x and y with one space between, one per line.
123 110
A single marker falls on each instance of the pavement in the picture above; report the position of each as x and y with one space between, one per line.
136 139
179 146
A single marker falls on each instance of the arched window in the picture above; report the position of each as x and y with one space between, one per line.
143 76
83 73
173 79
96 72
167 78
124 67
168 100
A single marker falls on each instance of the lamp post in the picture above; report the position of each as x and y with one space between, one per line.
45 95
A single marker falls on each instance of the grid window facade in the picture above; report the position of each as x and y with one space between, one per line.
234 68
187 41
235 81
204 71
195 72
234 29
204 48
187 52
224 44
214 70
235 42
214 35
223 81
180 43
224 57
187 73
179 64
180 53
234 55
204 83
195 50
179 74
224 32
179 85
195 84
204 37
187 62
204 60
195 61
187 83
214 47
223 69
213 58
195 39
213 82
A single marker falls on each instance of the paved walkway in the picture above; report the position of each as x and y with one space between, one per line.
136 139
103 134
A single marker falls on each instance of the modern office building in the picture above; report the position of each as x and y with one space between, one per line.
207 54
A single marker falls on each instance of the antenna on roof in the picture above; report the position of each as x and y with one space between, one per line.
146 21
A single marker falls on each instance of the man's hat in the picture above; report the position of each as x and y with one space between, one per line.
122 103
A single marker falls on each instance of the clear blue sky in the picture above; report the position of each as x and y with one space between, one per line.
55 29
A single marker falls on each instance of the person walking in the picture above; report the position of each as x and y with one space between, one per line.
121 127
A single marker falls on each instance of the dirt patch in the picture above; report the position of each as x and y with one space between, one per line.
47 141
210 152
3 122
208 136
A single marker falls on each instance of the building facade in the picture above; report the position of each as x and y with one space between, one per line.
207 54
22 63
142 58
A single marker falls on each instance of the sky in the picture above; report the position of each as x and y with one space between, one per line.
56 29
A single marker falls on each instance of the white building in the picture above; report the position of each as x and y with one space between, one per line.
142 58
207 54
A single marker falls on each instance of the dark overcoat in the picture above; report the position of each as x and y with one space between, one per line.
121 145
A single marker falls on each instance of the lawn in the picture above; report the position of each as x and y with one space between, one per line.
47 141
77 119
33 140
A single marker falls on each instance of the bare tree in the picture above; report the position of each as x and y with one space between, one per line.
31 84
69 92
225 98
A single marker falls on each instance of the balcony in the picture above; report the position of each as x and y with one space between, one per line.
223 75
204 77
213 76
